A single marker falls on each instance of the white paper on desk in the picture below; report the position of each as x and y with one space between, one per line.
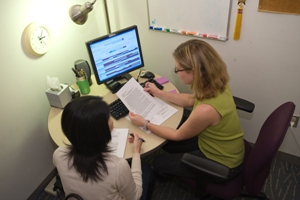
118 141
140 102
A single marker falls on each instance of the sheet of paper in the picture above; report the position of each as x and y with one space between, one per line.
118 141
138 101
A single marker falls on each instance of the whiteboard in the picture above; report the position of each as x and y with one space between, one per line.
202 18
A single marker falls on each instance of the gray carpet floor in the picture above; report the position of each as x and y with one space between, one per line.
283 183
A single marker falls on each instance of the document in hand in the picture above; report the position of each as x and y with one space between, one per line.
118 141
140 102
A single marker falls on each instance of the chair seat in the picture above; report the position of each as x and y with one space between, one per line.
226 190
212 168
234 187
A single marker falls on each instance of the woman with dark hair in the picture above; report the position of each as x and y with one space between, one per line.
213 129
86 167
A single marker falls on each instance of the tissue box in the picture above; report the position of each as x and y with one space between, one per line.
60 98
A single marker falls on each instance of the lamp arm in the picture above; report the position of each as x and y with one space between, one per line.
107 17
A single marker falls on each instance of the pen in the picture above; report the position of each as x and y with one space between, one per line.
76 73
139 137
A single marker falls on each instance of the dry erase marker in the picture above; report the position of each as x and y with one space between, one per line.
191 33
167 30
213 36
199 34
158 28
139 137
205 35
175 31
216 37
151 27
184 32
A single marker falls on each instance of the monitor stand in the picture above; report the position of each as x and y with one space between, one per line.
114 85
126 76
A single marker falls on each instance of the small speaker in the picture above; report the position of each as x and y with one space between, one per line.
83 64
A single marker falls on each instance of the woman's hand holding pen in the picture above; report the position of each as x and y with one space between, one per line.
152 89
137 142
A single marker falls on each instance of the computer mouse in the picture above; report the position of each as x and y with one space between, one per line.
147 74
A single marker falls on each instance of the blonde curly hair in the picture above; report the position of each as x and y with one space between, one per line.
210 71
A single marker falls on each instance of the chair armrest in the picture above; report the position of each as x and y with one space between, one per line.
243 104
207 166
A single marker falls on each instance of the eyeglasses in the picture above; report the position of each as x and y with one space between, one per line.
178 70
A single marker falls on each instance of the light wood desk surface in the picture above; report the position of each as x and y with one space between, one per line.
152 141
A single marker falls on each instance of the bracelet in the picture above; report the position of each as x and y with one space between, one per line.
145 125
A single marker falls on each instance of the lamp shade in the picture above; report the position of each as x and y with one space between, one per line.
79 13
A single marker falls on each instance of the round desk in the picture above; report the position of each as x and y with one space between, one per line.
152 141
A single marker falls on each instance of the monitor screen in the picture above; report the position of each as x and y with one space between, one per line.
114 55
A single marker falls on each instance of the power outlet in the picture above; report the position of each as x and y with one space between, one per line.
295 120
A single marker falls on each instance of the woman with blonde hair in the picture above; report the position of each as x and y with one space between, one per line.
213 129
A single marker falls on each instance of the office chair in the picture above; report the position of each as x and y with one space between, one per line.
243 104
257 160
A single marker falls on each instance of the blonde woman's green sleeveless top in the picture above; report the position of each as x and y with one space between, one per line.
224 142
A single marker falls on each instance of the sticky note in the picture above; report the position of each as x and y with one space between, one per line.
162 80
173 91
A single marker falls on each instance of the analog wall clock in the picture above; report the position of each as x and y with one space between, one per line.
36 39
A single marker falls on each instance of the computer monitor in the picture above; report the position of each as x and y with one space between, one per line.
114 55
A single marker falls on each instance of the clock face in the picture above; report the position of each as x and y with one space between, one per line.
40 40
37 39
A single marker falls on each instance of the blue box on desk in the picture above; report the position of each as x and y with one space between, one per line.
60 98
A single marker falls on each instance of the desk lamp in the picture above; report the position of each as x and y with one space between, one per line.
79 13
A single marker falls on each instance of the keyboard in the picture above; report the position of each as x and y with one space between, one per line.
118 109
158 85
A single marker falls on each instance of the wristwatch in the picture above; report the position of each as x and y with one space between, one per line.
145 125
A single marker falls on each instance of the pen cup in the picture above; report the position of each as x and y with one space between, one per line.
83 85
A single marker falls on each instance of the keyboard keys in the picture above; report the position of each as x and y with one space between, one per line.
118 109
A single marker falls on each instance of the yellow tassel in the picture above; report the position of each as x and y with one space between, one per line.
238 23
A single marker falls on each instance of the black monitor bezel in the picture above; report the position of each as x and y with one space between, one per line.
114 34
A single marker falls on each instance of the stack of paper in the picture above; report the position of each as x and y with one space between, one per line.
140 102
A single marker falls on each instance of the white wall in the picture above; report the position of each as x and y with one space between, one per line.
26 146
263 66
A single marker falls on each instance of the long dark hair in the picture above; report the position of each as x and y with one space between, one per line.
85 123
